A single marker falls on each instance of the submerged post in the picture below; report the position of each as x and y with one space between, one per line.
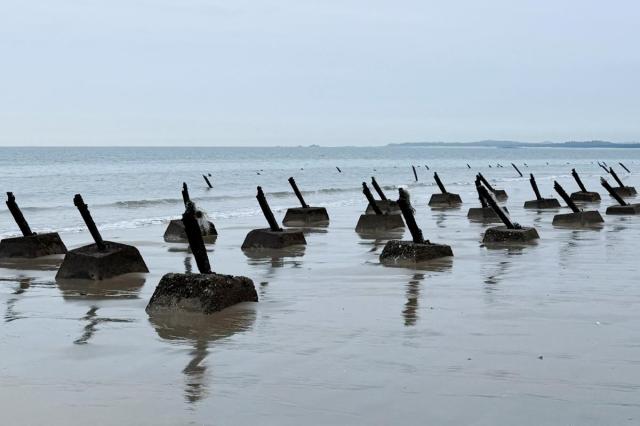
517 170
206 179
292 182
415 174
623 166
565 197
612 191
88 220
266 211
496 208
17 215
194 235
439 182
407 213
185 194
369 196
377 188
615 176
578 180
534 185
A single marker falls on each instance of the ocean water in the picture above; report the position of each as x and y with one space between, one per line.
546 333
136 187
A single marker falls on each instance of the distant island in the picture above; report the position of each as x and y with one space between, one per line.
515 144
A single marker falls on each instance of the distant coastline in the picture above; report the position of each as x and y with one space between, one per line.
516 144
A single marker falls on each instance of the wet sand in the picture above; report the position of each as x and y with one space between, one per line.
547 333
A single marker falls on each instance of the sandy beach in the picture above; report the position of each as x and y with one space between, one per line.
545 333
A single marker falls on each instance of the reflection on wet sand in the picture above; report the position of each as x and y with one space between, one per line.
410 312
93 320
494 275
11 314
441 215
568 252
199 331
45 263
543 216
510 246
383 237
184 248
122 287
376 244
312 230
276 258
440 264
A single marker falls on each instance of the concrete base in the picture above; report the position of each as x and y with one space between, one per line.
266 238
387 207
586 197
624 210
396 252
175 233
445 200
502 234
372 223
484 214
545 203
306 216
32 246
625 191
89 263
500 194
578 219
200 293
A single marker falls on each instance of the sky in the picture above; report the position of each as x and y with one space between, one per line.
327 72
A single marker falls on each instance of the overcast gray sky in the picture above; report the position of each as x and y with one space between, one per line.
290 72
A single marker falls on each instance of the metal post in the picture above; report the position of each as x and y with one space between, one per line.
370 199
578 180
266 211
439 182
483 203
496 208
615 176
486 183
185 194
534 185
88 220
517 170
407 213
17 215
565 197
623 166
194 235
292 182
612 192
378 189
